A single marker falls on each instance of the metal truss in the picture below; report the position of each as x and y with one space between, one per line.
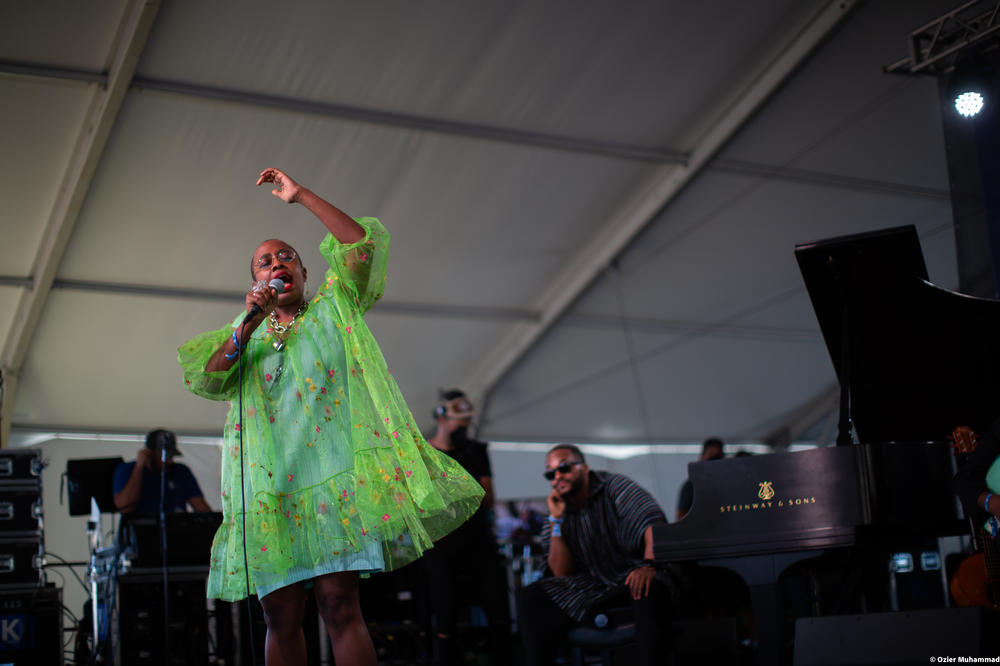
935 47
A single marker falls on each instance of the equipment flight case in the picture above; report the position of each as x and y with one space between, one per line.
21 536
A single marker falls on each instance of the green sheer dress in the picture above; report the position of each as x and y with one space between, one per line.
336 475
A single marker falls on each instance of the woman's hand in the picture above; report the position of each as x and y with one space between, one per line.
264 298
285 188
337 222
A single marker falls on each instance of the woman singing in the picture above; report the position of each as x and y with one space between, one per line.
336 478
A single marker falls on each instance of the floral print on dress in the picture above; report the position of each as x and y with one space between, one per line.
328 476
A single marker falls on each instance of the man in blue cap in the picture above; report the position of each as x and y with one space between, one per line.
137 483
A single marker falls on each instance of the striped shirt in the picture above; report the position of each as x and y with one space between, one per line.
605 538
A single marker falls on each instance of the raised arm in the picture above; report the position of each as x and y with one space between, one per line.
127 499
343 228
560 558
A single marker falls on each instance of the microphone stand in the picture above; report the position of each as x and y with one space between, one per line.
94 539
163 555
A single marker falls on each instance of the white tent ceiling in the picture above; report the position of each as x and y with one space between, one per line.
593 205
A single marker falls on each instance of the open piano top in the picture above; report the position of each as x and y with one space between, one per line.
919 360
914 361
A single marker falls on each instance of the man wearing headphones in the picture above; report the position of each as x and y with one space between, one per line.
137 483
465 566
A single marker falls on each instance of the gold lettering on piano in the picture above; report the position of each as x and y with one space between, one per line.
770 504
766 491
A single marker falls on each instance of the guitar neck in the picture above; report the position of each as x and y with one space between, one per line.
991 556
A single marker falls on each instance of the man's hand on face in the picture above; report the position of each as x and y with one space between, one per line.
557 505
145 458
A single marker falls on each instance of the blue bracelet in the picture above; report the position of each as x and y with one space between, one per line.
986 502
236 354
556 526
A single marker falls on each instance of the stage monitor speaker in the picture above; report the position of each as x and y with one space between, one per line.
905 637
31 626
140 602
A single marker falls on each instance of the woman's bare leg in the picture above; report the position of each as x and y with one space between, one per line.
340 607
283 611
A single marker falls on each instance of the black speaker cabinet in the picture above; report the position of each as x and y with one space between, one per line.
31 626
904 637
142 631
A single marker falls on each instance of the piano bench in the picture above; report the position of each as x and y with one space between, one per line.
609 632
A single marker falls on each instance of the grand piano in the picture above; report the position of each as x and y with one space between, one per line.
914 361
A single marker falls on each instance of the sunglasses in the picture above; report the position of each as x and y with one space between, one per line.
562 468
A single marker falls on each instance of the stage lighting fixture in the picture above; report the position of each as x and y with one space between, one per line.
968 88
969 103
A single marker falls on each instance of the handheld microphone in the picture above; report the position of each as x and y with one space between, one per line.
277 286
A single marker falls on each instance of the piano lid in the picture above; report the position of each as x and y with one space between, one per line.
919 360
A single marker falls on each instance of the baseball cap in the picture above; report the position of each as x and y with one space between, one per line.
157 439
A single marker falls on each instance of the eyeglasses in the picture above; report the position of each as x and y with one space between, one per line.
285 255
562 468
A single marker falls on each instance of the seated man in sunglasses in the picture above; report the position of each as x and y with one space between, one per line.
599 548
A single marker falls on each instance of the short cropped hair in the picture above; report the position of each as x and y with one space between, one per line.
568 447
712 442
253 268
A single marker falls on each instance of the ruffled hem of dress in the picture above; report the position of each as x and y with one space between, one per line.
341 517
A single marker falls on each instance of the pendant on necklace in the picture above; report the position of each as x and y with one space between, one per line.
278 345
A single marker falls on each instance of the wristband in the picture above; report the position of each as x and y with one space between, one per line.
235 354
986 502
556 526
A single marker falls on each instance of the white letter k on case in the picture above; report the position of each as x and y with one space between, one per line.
10 630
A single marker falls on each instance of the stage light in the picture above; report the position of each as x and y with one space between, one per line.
969 103
968 88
